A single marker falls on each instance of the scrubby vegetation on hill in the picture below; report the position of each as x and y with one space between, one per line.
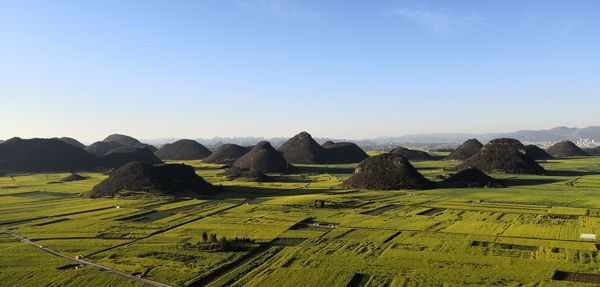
343 152
72 142
136 178
565 149
413 155
593 151
465 150
73 177
182 150
503 155
537 153
264 158
235 173
36 155
124 155
386 171
227 154
471 177
124 140
302 148
101 148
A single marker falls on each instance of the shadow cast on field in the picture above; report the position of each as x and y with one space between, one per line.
210 168
428 168
258 192
41 193
324 170
512 182
571 173
247 192
290 179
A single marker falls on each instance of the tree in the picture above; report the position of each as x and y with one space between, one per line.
204 236
223 243
213 237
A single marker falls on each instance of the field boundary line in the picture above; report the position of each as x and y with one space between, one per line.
83 262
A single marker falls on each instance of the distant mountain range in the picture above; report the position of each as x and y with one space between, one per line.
430 139
533 136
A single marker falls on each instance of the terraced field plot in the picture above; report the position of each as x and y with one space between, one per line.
525 234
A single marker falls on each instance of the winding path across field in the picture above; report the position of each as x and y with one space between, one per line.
83 262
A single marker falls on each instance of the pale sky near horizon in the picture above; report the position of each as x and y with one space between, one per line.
340 69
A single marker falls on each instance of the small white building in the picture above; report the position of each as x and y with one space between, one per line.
587 236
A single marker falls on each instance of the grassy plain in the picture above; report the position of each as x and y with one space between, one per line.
519 235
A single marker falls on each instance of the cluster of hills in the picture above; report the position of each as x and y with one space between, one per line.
138 166
434 139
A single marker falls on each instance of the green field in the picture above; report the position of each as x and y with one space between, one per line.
517 236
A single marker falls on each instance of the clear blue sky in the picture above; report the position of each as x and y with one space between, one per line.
346 69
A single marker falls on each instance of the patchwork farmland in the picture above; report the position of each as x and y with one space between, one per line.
301 228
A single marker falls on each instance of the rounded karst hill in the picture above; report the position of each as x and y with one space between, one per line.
136 178
234 173
182 150
125 155
72 142
37 155
73 177
227 154
565 149
465 150
264 158
412 155
387 171
146 146
503 155
471 177
128 141
302 148
593 151
537 153
343 152
124 140
101 148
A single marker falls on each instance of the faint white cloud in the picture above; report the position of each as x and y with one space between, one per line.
442 22
287 9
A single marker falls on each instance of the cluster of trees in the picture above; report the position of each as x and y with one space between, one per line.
213 237
212 243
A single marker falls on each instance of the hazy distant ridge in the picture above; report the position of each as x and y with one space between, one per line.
551 135
535 136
